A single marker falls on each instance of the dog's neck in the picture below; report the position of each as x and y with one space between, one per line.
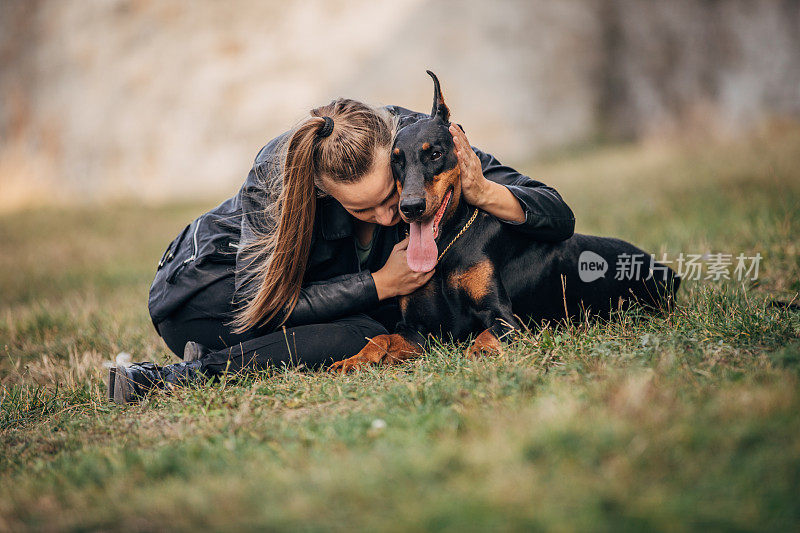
453 225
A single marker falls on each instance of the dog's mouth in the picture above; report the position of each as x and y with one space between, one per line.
422 250
440 212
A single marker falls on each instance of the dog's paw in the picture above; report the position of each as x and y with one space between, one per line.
351 363
486 344
387 349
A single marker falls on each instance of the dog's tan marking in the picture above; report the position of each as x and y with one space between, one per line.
447 176
396 151
403 301
436 190
476 280
427 291
426 146
443 181
485 344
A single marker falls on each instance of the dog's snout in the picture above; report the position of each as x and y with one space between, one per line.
412 207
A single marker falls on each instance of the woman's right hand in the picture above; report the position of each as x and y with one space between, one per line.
395 278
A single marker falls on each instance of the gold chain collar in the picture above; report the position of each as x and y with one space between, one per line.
460 233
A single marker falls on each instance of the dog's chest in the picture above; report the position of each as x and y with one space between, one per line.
449 302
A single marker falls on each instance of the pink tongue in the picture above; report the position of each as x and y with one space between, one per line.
422 251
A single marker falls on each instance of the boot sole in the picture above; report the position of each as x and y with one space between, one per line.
123 389
112 374
191 352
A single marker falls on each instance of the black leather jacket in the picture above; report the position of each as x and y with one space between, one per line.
206 251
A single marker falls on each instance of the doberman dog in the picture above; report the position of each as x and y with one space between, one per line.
488 274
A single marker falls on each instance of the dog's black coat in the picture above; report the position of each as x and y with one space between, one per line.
529 279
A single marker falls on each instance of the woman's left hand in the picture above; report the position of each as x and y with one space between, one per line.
488 195
474 185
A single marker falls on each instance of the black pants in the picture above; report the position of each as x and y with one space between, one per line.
205 320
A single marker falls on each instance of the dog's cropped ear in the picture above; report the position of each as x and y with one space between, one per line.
439 107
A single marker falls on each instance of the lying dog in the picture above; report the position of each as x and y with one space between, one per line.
488 274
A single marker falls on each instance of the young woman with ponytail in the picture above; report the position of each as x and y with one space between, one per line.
304 263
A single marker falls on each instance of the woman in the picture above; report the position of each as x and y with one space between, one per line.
305 262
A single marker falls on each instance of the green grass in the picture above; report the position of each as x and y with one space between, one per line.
690 421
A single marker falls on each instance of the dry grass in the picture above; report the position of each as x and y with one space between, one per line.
691 421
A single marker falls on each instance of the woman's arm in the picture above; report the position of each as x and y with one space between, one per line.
516 199
340 296
354 293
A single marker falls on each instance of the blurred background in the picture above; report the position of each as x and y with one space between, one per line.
673 124
168 99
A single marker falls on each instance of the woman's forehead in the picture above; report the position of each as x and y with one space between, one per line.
370 191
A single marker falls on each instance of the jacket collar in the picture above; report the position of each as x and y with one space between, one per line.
335 221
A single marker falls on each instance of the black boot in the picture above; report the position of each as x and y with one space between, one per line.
134 382
194 351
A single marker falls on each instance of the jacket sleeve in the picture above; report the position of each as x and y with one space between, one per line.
547 216
327 300
334 298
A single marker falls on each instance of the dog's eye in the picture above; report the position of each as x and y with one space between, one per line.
436 155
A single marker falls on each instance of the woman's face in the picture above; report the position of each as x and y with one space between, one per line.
373 199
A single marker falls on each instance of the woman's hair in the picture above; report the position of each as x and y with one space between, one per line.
277 259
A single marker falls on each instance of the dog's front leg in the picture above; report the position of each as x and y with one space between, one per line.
499 321
383 349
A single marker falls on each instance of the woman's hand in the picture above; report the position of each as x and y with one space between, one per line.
474 185
492 197
395 278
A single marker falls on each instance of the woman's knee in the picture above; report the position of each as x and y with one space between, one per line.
364 325
358 329
173 337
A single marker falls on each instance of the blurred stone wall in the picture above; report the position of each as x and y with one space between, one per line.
167 98
716 64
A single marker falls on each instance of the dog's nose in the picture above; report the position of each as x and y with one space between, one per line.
412 207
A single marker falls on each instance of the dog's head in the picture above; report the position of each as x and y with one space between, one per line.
425 168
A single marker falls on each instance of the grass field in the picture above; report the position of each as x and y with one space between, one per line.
686 422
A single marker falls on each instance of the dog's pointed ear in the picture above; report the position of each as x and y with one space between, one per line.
440 109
